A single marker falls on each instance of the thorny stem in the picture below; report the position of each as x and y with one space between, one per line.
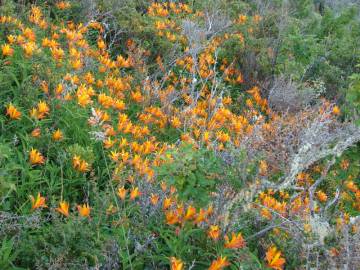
279 215
335 200
318 182
265 230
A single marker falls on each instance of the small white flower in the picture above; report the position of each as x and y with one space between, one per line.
97 135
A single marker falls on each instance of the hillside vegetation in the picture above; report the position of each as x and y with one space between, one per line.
205 134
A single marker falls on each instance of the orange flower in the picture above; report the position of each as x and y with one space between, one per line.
273 258
76 64
237 241
11 39
76 161
222 136
83 99
34 113
172 189
39 202
35 15
350 185
119 105
175 122
134 193
84 166
321 196
167 203
263 168
219 263
63 5
242 19
209 210
163 186
201 216
29 34
136 96
176 264
84 210
124 156
57 135
79 164
29 48
101 44
123 142
108 143
214 232
35 157
43 109
36 133
334 252
114 155
345 164
336 110
190 212
63 208
265 213
59 89
7 50
12 112
57 54
257 18
206 137
154 199
40 111
122 193
171 217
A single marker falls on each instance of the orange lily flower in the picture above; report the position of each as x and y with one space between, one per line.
219 263
201 216
39 202
154 199
35 157
190 212
36 133
167 203
214 232
122 193
175 122
63 208
57 135
176 264
12 112
171 217
237 241
63 5
134 193
7 50
79 164
84 210
336 110
43 109
321 196
274 259
163 186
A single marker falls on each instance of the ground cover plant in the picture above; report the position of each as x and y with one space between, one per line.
179 134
